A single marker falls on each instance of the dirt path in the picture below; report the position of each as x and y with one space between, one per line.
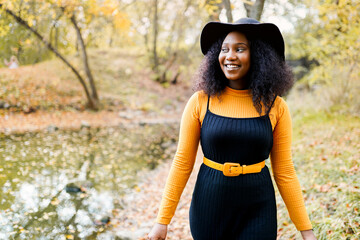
141 206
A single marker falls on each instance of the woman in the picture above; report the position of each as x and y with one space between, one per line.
240 119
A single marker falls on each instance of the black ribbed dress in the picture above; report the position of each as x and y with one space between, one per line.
241 207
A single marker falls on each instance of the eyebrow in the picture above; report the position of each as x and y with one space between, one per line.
225 43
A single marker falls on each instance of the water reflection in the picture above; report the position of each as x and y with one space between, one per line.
66 185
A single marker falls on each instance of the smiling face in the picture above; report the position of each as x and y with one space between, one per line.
234 59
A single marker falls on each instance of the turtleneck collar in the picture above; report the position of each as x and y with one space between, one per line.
237 93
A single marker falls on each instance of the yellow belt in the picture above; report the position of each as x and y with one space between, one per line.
230 169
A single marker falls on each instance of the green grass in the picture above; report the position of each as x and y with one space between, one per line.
326 155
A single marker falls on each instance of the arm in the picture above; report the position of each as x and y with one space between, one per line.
284 171
183 161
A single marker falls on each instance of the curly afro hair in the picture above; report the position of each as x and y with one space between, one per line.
269 75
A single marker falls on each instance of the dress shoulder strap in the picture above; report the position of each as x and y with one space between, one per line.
268 111
207 105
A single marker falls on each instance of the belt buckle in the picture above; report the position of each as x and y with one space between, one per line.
229 172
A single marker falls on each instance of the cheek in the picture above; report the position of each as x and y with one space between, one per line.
245 58
221 61
221 58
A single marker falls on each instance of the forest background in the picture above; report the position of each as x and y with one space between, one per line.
94 69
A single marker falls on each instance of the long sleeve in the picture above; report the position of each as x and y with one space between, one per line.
183 161
234 104
284 171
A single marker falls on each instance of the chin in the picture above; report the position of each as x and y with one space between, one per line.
232 78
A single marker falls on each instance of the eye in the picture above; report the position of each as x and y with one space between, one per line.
224 49
240 49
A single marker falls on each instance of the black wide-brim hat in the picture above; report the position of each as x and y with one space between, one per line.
252 28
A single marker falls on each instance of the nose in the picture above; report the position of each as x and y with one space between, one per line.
231 55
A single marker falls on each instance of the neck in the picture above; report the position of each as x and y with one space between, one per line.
238 85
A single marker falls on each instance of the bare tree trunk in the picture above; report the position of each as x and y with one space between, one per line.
85 61
155 22
91 103
247 7
258 9
255 10
227 5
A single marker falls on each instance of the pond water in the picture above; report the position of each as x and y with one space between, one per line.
66 184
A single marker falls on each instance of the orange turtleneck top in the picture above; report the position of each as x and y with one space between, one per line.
234 103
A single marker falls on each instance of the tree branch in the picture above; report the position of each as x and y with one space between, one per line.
51 48
85 59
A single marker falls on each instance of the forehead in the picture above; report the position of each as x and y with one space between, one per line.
235 37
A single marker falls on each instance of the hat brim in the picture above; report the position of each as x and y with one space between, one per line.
268 32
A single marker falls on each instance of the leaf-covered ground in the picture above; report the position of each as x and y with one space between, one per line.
327 159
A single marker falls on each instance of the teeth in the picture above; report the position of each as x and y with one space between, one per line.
232 66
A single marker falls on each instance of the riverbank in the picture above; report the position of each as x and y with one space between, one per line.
48 121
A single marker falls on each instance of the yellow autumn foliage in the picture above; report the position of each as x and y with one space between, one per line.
334 40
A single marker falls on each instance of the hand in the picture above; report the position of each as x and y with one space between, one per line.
308 235
158 232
